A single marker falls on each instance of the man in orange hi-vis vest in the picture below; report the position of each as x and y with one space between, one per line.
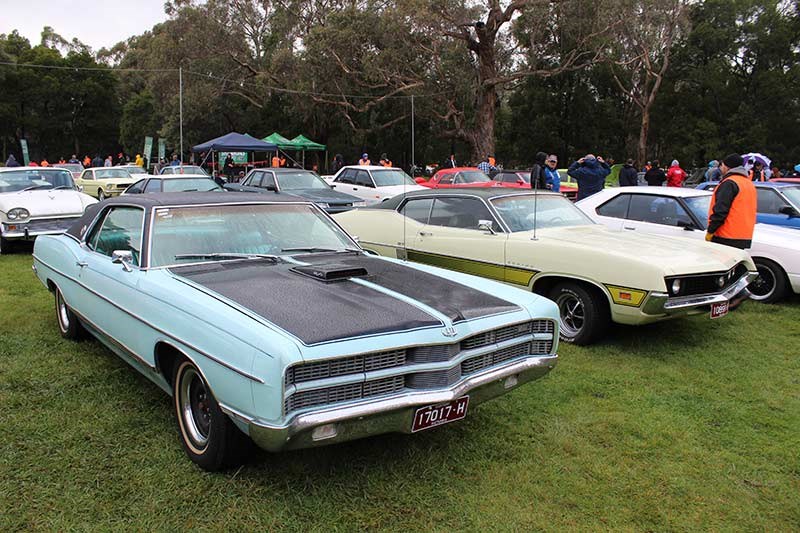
732 213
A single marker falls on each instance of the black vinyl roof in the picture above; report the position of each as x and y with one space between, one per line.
484 193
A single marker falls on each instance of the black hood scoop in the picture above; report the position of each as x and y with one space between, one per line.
331 272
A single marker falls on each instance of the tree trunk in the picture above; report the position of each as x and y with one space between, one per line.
641 150
481 134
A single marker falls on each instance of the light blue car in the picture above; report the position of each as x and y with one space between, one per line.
267 323
778 203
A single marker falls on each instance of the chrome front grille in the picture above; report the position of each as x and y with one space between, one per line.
403 362
48 224
343 393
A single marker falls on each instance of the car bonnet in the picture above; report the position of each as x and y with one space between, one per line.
380 297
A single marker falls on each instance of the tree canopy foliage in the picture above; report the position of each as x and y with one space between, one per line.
691 80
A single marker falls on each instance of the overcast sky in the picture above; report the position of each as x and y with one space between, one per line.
98 23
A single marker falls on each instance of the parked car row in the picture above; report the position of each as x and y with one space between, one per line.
291 311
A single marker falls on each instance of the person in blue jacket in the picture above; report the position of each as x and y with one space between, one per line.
553 180
590 173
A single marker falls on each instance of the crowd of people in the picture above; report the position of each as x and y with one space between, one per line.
96 162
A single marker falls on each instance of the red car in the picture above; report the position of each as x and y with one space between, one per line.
459 177
521 179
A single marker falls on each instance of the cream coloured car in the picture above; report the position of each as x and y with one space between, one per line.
542 242
105 182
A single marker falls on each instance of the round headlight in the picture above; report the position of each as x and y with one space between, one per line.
721 281
676 286
18 213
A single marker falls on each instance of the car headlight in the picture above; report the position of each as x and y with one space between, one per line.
676 286
360 204
18 213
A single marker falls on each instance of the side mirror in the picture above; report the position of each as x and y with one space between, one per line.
124 258
790 211
80 188
487 226
687 226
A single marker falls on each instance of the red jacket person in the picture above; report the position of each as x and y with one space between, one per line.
732 213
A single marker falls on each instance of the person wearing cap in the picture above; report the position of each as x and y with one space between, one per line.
385 161
590 172
364 161
732 213
552 177
757 172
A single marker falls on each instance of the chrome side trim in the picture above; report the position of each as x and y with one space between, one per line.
153 326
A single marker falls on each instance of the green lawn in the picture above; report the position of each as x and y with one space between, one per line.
687 425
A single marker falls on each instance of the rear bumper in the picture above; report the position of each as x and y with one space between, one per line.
659 303
391 415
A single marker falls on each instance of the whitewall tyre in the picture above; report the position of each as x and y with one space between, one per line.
68 324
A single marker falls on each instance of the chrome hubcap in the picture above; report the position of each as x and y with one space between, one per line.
195 407
764 285
572 314
63 312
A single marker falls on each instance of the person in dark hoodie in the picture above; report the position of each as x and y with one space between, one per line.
590 172
655 177
732 213
11 161
538 176
628 175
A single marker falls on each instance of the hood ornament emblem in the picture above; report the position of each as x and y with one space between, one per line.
449 331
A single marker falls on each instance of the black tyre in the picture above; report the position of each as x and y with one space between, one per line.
68 324
5 246
210 438
584 313
771 285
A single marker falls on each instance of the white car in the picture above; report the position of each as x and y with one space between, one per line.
38 201
183 169
373 183
684 212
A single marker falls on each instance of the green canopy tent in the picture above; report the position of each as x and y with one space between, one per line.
281 142
306 144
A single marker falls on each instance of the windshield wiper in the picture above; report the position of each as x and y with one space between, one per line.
34 187
62 187
223 256
317 249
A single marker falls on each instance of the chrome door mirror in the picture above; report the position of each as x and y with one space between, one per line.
487 226
124 258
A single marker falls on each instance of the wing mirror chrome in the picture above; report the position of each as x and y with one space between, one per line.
124 258
487 226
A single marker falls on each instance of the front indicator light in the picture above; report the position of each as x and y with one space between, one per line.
328 431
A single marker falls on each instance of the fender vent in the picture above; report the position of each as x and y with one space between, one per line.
329 273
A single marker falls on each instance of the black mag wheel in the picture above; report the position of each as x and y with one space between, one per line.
584 315
770 286
209 436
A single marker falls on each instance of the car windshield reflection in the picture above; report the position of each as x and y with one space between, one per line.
523 212
195 234
20 180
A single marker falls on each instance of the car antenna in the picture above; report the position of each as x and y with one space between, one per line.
535 204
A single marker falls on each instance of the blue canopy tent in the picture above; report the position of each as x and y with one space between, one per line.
235 142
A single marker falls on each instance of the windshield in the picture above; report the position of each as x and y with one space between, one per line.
18 180
390 177
299 180
72 167
471 176
793 194
699 205
551 212
135 170
111 173
186 169
180 235
191 184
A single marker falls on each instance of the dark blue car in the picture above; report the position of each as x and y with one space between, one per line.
298 182
778 203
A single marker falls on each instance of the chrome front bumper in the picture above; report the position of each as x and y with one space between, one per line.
20 231
659 303
391 415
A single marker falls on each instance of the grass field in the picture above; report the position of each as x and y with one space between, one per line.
687 425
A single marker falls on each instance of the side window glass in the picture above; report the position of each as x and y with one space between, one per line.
616 207
153 186
446 179
267 180
255 179
136 188
346 177
459 213
363 179
507 177
121 230
769 202
418 210
87 175
657 210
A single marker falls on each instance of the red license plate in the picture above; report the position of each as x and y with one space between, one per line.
436 415
719 310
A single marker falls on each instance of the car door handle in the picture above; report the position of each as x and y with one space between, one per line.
425 234
81 263
628 227
355 188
